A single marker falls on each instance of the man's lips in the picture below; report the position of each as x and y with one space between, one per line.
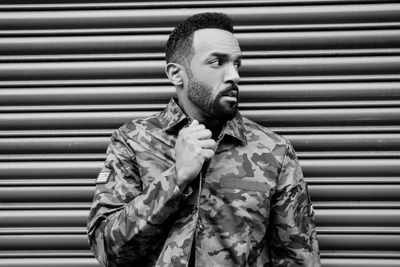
230 92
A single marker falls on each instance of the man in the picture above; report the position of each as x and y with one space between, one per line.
197 184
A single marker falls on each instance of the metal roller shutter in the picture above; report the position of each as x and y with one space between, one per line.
324 73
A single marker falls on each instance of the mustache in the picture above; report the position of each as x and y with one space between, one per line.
232 90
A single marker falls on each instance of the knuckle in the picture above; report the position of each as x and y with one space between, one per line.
197 150
208 132
185 136
210 155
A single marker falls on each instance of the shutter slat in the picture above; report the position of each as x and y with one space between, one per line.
47 194
361 242
44 170
155 69
270 118
58 261
249 93
76 241
270 42
280 15
360 262
350 167
340 219
311 142
45 242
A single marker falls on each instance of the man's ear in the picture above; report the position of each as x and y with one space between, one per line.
175 73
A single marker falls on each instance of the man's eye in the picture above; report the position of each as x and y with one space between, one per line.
216 63
237 65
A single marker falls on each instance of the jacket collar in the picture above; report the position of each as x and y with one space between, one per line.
172 119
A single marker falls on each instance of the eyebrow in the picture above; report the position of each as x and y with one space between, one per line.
223 55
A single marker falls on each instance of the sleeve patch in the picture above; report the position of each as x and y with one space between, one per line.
103 177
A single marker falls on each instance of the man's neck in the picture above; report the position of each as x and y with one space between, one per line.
215 126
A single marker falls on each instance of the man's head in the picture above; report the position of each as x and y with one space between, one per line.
179 47
203 58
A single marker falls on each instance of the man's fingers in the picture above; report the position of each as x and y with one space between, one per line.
196 132
207 144
207 153
193 123
193 128
197 138
201 134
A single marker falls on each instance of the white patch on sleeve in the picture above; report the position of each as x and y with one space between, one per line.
103 177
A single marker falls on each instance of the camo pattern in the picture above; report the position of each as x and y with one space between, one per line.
249 207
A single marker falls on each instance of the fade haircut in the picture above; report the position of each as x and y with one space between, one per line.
179 48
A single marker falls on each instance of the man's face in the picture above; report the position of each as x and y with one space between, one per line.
213 73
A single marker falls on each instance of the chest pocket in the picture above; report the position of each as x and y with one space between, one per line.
250 199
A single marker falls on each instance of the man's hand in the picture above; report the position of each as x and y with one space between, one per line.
193 147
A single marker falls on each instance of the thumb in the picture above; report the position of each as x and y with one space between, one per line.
194 123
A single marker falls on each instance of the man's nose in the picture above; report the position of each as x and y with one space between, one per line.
232 75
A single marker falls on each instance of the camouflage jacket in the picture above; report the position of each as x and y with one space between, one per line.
250 207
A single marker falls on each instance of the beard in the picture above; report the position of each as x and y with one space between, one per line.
200 94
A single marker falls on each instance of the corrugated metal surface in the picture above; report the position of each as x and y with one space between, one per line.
326 74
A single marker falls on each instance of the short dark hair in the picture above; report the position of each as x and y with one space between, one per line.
179 48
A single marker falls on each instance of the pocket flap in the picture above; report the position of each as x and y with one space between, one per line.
234 183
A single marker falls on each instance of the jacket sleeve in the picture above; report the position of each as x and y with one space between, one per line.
293 239
127 215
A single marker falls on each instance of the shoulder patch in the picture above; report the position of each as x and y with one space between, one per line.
103 177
